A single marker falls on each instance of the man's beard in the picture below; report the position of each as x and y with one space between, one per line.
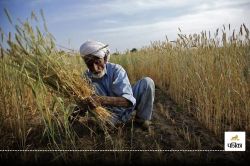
99 75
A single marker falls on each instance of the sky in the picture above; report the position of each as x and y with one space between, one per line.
127 24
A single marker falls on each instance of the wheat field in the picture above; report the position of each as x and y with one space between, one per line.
207 74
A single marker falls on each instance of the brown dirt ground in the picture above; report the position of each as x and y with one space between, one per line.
172 129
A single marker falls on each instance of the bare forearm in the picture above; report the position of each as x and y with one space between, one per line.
114 101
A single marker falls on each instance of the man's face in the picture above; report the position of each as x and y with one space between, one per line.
95 65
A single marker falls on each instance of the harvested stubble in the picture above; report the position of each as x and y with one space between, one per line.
34 55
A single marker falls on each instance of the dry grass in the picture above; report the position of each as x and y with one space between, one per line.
208 75
40 86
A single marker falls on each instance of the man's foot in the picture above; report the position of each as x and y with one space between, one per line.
144 124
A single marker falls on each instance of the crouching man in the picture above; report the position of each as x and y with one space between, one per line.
113 87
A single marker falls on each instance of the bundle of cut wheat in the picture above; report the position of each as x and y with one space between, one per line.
35 56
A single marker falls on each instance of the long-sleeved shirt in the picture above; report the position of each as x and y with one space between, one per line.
114 83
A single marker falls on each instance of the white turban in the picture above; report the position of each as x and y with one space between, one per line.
94 48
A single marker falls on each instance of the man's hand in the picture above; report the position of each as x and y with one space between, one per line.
90 102
97 99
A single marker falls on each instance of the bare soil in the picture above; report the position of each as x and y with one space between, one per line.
176 136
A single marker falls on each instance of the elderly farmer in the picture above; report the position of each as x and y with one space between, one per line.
111 83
